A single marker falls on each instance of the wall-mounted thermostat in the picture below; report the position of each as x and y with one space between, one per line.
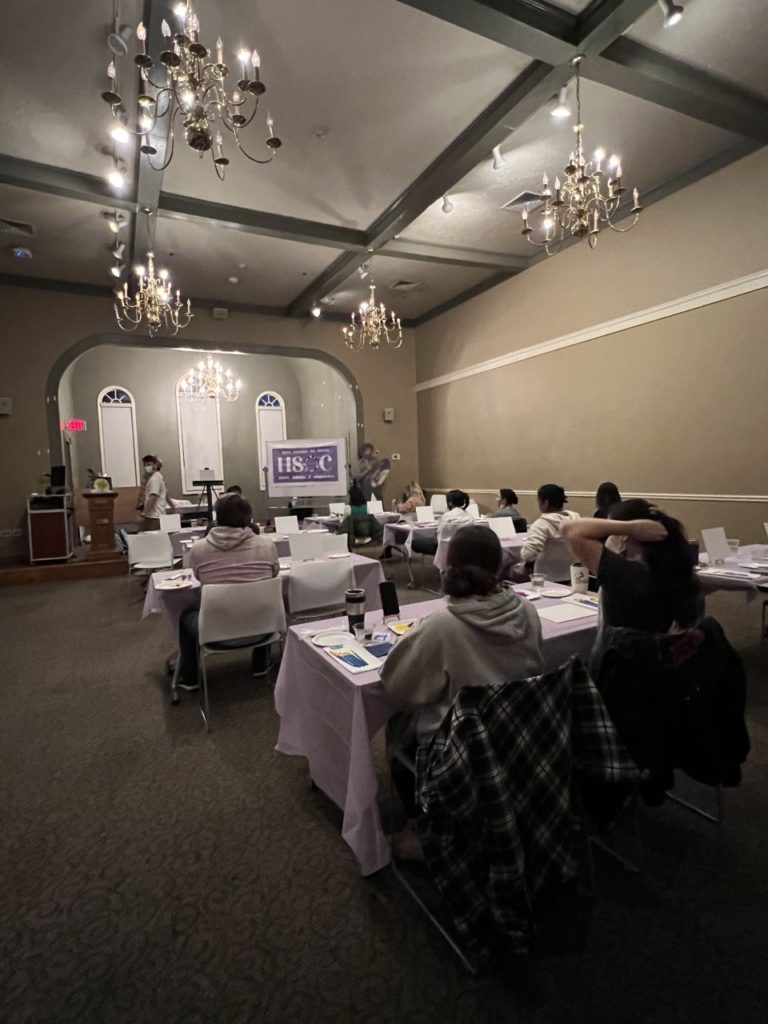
389 415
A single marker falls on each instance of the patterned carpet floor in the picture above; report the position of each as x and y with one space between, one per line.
152 873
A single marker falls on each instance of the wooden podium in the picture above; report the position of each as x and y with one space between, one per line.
101 516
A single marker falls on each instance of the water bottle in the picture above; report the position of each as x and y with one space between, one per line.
579 578
355 607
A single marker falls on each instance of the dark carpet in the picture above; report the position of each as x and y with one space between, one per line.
153 873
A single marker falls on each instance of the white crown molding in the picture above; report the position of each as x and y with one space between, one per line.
696 300
755 498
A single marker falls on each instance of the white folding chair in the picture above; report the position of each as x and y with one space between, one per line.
473 509
148 552
235 616
425 514
438 503
170 522
374 507
334 543
336 508
318 588
307 545
503 527
286 524
555 561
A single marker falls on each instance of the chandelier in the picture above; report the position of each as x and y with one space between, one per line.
579 207
191 87
209 379
154 303
370 325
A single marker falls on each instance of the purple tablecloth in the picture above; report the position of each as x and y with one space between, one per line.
329 716
716 578
367 573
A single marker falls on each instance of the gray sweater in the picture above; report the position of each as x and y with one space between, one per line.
473 641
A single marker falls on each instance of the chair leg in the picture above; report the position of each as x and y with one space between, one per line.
175 680
205 709
717 818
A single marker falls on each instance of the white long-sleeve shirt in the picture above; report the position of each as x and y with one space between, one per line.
543 529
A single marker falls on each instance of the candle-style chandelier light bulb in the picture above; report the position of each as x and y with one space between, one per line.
187 83
581 205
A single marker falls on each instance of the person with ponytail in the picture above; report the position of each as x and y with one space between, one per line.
643 564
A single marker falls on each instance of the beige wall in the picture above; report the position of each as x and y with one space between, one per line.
39 326
675 406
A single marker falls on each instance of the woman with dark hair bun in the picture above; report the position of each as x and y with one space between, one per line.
645 569
607 495
485 634
507 504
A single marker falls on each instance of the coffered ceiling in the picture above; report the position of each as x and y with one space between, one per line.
384 106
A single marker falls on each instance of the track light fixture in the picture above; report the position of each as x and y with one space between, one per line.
562 108
498 159
115 220
365 270
448 205
316 311
672 12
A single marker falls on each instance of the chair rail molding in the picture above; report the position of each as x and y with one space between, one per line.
695 300
755 498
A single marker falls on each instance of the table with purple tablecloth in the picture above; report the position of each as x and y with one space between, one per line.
733 573
367 573
330 716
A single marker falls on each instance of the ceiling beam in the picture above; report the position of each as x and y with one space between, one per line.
58 181
522 98
531 27
632 68
401 248
271 225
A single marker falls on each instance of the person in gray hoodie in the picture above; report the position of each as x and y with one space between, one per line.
486 634
229 553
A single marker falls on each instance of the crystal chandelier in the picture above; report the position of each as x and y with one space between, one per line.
191 87
209 379
153 304
370 325
579 207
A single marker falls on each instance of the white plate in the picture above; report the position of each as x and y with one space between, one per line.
332 638
339 554
555 592
173 585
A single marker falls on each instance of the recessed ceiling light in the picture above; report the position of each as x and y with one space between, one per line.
233 279
241 266
320 131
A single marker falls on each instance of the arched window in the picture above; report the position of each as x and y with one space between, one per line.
117 436
199 438
270 425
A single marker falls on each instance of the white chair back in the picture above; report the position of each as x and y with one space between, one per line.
438 503
374 507
307 545
170 522
153 547
473 509
425 514
336 508
234 611
716 544
318 585
555 561
286 524
334 543
765 527
503 527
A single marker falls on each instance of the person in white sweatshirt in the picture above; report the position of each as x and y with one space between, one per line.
545 530
457 515
230 553
485 634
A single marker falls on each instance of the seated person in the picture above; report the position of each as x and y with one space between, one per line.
643 566
507 504
547 527
230 553
607 495
486 634
234 489
359 523
413 498
457 514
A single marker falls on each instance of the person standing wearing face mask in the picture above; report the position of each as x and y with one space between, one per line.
156 500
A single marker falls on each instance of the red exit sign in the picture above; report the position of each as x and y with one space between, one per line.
76 426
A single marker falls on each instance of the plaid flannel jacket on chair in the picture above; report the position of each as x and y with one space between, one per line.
494 792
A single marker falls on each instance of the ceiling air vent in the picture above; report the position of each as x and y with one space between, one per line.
16 227
526 200
404 286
